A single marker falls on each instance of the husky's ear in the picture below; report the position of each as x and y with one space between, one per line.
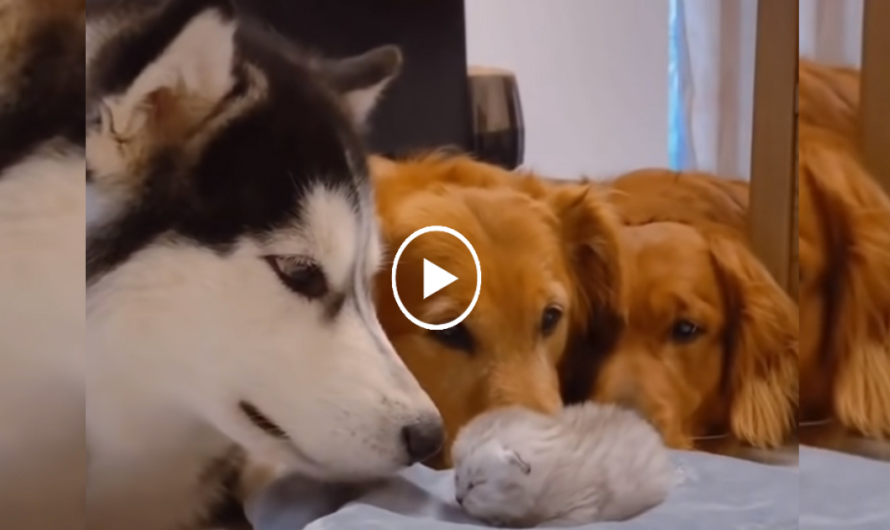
362 78
760 373
194 70
174 90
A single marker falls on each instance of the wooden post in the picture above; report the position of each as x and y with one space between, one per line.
773 214
875 89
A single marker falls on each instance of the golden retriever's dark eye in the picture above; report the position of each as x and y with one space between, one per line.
685 331
300 274
551 317
457 337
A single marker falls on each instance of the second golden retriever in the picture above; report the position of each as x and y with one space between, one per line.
710 346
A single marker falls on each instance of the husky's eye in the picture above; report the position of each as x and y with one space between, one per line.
551 317
457 337
100 118
94 118
684 331
300 274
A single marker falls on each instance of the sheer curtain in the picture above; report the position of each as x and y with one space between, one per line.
831 31
712 84
712 73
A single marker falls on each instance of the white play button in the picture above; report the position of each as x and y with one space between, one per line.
435 278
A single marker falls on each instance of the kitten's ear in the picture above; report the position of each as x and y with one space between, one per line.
514 459
362 78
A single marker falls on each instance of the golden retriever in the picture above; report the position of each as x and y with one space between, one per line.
710 347
844 267
550 261
845 287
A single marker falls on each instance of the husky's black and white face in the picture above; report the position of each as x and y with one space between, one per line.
232 246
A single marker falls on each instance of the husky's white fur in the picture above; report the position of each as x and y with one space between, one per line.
180 334
515 467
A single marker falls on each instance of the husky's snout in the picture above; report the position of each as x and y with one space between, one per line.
424 438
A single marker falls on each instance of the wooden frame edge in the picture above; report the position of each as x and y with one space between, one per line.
875 89
773 226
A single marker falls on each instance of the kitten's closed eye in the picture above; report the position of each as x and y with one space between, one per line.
459 497
475 483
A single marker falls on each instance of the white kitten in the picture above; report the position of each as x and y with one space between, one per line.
591 463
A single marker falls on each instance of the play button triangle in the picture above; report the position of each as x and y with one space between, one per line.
435 278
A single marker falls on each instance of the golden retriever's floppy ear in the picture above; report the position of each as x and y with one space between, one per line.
760 372
590 232
590 235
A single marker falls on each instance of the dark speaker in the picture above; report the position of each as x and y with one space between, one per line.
498 127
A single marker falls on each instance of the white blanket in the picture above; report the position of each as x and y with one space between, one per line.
829 491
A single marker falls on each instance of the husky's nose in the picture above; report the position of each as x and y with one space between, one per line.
423 438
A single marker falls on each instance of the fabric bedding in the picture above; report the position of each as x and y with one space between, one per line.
829 491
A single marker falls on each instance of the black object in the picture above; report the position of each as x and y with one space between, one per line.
428 106
498 127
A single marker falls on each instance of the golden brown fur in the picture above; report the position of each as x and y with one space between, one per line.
737 374
538 248
829 97
695 198
844 268
845 287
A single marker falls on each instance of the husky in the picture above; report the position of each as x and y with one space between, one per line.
42 207
230 253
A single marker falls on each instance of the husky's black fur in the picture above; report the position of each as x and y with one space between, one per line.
251 177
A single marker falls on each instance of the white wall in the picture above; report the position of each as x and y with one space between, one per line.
593 77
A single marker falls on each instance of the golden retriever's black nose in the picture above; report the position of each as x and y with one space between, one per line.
423 439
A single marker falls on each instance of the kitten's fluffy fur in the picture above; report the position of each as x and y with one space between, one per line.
515 467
